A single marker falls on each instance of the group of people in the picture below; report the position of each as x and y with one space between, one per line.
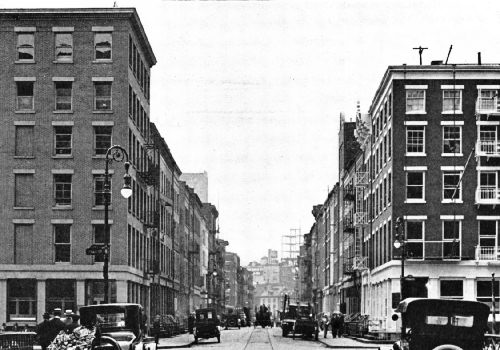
336 321
50 327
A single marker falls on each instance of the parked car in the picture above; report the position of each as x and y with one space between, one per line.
18 340
441 324
121 326
206 325
305 322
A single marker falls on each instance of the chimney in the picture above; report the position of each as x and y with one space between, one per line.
479 58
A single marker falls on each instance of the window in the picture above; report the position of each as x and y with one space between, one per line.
451 239
452 101
25 46
64 47
487 100
102 139
102 96
60 294
452 139
415 139
415 186
63 136
23 244
25 100
63 95
415 101
99 238
99 193
483 291
414 239
62 189
24 141
452 186
103 44
487 186
488 235
21 300
94 292
452 289
62 243
23 192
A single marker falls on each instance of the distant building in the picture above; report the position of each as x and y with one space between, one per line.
199 182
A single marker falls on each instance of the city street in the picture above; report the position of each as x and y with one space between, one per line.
270 339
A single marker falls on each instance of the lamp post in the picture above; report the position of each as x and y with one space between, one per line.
400 242
118 154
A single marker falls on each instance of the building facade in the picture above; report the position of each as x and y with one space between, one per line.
435 191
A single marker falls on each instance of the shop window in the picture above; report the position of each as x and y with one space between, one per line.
21 300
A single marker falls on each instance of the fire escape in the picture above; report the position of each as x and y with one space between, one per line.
361 219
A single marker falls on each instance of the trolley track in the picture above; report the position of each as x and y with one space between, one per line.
259 344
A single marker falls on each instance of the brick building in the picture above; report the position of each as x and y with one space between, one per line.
420 168
67 77
74 82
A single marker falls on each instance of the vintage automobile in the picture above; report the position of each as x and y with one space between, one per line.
120 326
232 319
305 322
18 341
206 325
441 324
263 317
287 317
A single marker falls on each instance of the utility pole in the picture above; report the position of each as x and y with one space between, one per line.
420 51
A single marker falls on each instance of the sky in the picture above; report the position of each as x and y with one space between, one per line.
251 91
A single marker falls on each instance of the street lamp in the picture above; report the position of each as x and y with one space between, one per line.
400 242
118 154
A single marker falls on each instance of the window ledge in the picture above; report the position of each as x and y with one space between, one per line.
62 156
417 201
416 154
452 154
63 111
24 157
62 207
24 62
416 112
103 61
452 112
96 111
458 201
28 111
24 208
101 207
62 262
62 62
98 156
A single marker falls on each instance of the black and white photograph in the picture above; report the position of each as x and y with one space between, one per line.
250 174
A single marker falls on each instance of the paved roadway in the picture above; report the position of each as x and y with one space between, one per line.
248 338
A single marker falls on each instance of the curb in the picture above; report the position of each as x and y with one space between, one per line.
376 341
188 345
361 346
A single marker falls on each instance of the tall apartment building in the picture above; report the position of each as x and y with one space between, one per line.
446 177
73 82
426 173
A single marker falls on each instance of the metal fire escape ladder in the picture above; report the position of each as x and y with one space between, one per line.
360 220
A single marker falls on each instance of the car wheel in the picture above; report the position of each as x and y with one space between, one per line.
447 347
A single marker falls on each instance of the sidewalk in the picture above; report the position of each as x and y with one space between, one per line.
348 343
179 341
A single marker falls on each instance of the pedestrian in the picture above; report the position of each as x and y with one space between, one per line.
3 327
15 327
43 331
335 322
71 322
156 328
191 319
56 325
